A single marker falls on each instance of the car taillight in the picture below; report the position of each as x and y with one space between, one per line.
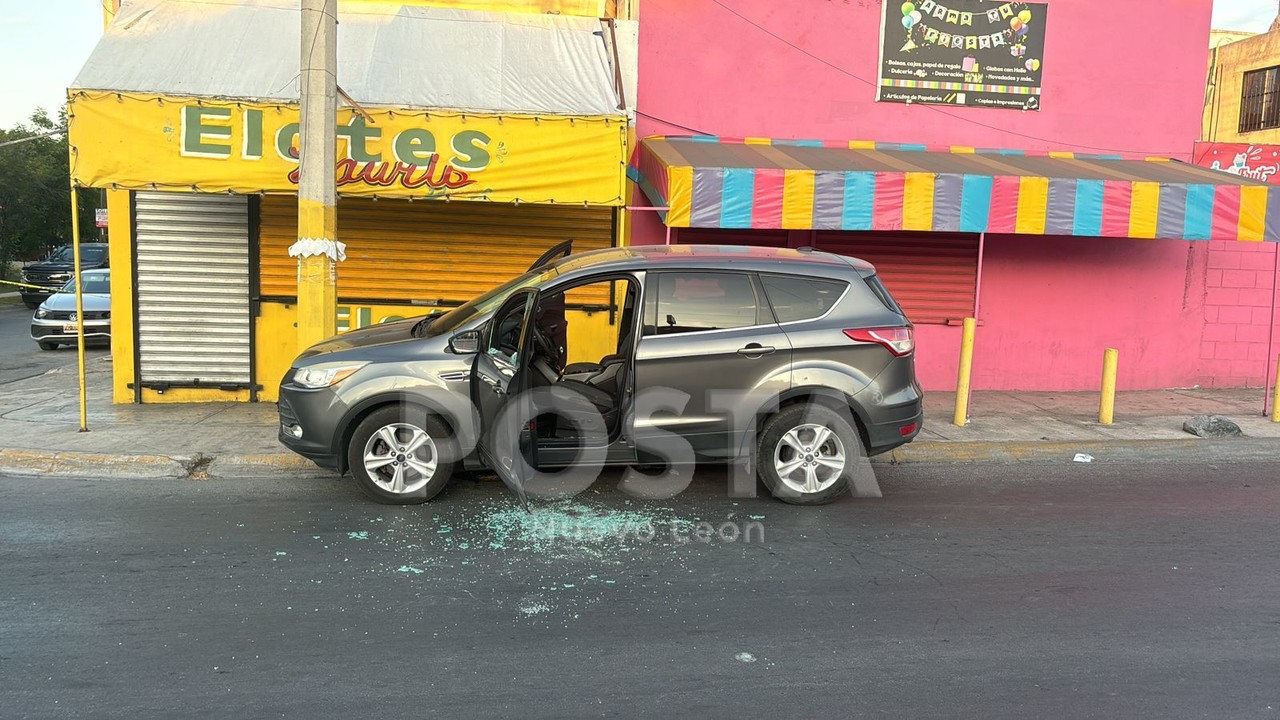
898 340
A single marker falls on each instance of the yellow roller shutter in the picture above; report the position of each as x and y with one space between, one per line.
429 252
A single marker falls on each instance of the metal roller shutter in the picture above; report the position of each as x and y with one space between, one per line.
717 236
933 276
431 252
193 289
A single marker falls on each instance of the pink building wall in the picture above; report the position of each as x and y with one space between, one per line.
1181 314
1111 80
1240 336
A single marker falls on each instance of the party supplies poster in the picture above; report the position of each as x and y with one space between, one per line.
964 52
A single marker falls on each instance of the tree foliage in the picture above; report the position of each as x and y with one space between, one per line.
35 191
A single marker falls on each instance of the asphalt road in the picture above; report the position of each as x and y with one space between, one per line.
1019 591
20 357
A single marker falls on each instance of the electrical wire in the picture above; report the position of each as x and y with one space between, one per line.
664 121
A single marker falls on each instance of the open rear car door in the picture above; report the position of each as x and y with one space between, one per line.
555 253
499 379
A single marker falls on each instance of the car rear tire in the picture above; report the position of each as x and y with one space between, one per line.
402 455
32 305
48 345
809 455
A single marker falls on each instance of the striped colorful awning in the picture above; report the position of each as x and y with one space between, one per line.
712 182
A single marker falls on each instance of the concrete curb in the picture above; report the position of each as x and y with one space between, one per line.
1103 451
78 464
265 465
28 463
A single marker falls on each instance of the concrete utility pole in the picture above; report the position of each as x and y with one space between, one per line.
318 250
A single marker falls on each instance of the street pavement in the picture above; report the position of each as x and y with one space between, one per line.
967 591
20 357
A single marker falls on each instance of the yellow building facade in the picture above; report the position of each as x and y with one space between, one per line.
436 205
1231 57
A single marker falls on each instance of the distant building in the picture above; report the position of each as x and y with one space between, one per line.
1218 38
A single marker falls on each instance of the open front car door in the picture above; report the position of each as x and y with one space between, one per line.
499 379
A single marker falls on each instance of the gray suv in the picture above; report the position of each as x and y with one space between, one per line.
793 364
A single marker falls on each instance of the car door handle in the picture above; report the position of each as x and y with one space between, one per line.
755 350
497 386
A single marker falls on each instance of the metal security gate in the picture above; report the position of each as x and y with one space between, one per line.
430 253
192 285
933 276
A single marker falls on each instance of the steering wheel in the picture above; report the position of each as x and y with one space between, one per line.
544 347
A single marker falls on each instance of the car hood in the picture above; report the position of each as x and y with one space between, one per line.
50 267
56 267
67 302
383 334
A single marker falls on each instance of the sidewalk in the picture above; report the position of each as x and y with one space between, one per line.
39 431
1055 426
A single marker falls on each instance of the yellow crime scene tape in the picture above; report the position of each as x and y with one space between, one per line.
47 288
25 285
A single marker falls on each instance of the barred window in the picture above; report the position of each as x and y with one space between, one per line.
1260 100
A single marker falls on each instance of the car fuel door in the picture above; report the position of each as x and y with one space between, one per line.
499 378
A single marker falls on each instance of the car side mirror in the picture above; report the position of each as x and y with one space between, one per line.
465 343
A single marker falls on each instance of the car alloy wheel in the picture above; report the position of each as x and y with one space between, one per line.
400 458
401 455
809 458
812 454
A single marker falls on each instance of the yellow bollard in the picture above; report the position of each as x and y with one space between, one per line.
1275 399
75 254
1110 362
966 370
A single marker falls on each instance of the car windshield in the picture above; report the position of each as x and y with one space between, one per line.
489 301
65 253
93 285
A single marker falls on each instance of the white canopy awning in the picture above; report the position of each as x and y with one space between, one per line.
389 55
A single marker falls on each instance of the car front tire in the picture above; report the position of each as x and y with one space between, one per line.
48 345
809 455
402 455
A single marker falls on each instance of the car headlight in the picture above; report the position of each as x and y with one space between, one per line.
42 312
322 376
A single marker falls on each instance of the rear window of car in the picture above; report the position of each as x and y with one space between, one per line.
801 298
882 292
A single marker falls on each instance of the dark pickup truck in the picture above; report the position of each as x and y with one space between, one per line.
50 274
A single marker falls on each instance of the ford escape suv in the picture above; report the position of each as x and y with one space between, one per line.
796 362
